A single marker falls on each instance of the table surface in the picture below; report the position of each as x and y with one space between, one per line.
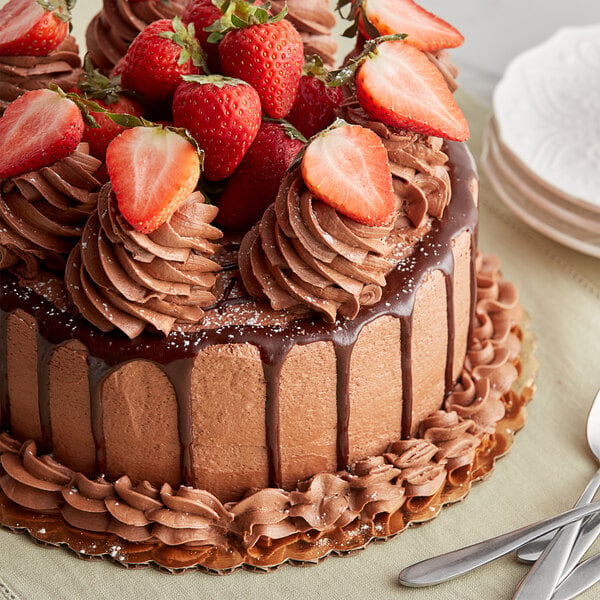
549 463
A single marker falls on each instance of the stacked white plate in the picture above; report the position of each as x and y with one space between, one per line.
542 145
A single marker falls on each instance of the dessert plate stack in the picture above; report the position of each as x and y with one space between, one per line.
542 145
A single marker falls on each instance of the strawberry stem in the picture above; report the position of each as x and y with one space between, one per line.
185 38
288 129
239 14
93 84
219 81
344 75
61 8
314 67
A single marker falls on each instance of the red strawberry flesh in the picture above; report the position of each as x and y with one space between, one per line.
28 29
425 30
37 130
347 168
418 99
152 171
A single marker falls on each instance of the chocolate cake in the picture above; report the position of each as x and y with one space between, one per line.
190 390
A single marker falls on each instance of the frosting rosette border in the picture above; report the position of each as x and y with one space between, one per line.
331 513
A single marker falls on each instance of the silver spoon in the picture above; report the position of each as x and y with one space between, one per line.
452 564
562 550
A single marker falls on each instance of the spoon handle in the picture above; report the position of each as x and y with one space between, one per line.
589 532
452 564
545 574
530 553
580 579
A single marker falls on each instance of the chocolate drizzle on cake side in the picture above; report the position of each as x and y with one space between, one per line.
176 354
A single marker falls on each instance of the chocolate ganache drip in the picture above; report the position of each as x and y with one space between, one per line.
417 162
112 30
304 254
120 278
315 21
43 212
20 74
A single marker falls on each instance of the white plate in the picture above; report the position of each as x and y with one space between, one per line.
518 177
539 220
547 107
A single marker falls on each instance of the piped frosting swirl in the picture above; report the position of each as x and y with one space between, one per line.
112 30
305 255
418 165
20 74
43 212
315 21
120 278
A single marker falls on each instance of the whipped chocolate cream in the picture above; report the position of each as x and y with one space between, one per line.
112 30
304 254
315 21
20 74
121 278
43 212
442 60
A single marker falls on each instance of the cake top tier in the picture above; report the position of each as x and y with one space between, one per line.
190 127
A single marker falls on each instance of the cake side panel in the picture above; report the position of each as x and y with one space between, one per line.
308 412
22 359
140 424
229 450
462 249
70 411
375 389
429 347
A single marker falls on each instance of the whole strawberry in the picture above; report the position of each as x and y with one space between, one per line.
264 50
159 56
223 115
108 94
33 27
316 102
255 183
38 129
203 13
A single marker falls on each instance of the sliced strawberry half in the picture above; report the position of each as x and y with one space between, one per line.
36 130
153 171
33 27
347 167
425 30
418 99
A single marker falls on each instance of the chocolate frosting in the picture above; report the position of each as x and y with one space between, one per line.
315 21
411 470
120 278
43 212
305 255
441 59
112 30
20 74
418 165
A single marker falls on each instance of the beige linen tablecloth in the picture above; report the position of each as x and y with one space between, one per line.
544 473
